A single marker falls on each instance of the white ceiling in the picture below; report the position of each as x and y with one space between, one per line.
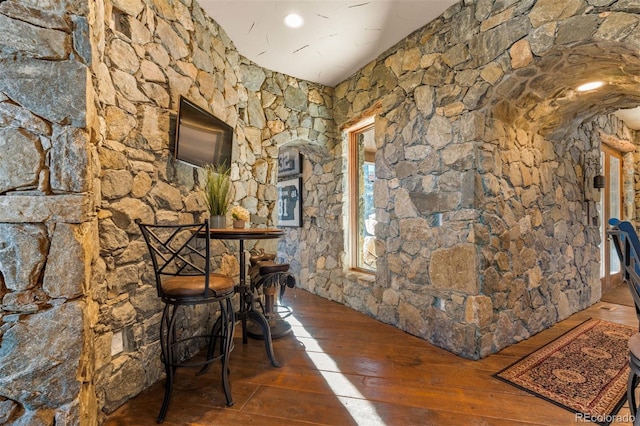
337 39
630 116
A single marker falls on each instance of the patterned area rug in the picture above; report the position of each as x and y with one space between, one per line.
585 370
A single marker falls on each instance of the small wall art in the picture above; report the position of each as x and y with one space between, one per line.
289 161
290 202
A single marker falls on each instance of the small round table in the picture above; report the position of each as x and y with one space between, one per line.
247 310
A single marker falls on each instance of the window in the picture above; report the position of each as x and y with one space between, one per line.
610 206
362 216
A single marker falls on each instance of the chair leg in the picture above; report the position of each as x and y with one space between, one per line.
213 339
167 339
227 322
632 384
631 392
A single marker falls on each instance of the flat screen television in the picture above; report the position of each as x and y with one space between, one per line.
201 138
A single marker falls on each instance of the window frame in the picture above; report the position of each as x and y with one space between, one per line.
353 229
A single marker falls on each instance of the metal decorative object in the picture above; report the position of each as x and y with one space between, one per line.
598 181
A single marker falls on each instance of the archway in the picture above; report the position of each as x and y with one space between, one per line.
541 149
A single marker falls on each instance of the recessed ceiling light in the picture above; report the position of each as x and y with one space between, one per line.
293 20
590 86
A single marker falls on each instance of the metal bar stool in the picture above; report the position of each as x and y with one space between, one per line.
265 273
634 375
183 277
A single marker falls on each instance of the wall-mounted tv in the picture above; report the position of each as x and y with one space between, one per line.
201 137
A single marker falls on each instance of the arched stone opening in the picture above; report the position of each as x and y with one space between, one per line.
317 246
539 256
542 97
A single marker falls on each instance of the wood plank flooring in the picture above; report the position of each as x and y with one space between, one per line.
341 367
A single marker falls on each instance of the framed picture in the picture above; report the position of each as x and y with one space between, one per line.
289 161
290 202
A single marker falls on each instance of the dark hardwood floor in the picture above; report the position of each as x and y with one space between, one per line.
341 367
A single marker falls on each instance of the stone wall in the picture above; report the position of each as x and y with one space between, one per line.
474 163
148 53
482 203
48 237
610 131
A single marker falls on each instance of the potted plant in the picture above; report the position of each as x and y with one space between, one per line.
240 216
217 193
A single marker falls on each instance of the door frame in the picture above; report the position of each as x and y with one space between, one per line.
609 281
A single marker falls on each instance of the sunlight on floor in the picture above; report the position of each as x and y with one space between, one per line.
361 410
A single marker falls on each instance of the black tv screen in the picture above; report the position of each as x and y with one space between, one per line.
201 137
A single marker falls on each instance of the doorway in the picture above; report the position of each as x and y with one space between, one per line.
610 206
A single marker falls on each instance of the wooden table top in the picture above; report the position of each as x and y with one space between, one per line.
245 233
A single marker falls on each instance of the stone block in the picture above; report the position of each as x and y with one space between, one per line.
38 369
112 238
616 26
436 202
28 81
489 45
257 118
35 13
68 269
130 7
171 40
14 116
492 73
455 269
253 77
23 250
453 336
82 38
21 159
550 10
126 381
116 183
127 210
439 132
577 29
155 126
496 19
424 97
411 320
475 95
142 185
8 409
33 41
459 156
70 161
479 311
56 208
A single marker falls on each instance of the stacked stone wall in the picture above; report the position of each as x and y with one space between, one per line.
480 190
48 237
541 258
148 53
484 215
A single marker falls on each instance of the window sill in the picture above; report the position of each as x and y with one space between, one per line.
361 275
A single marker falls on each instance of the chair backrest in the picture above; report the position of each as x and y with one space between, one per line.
617 237
625 240
178 250
630 233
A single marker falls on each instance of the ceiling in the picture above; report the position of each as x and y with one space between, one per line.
337 39
630 116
